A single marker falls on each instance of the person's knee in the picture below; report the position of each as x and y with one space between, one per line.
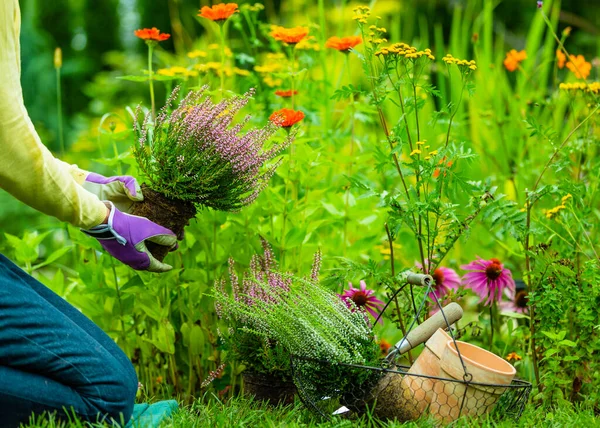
123 399
116 399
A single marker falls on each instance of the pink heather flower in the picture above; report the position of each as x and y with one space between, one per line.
445 280
363 299
517 301
488 278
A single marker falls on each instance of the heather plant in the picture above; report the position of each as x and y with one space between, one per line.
194 154
317 329
259 353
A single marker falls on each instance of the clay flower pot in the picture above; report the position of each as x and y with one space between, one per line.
270 389
406 397
475 400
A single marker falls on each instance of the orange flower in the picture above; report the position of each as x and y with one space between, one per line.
343 44
151 34
513 356
290 36
561 58
385 346
513 58
219 12
579 66
286 117
285 94
436 173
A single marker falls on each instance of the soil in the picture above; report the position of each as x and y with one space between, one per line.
269 389
173 214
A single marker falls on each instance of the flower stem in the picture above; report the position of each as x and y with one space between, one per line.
222 73
151 80
293 75
61 136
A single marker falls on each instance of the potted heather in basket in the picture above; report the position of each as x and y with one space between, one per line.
193 156
267 374
317 330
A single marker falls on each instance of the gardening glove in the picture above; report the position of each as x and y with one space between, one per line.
121 190
124 237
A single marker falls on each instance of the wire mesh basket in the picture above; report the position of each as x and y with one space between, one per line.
443 388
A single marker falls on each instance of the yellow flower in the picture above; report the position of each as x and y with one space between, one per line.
415 152
268 68
566 198
433 153
241 72
215 46
271 82
420 143
197 54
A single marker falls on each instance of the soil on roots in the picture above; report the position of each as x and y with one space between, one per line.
173 214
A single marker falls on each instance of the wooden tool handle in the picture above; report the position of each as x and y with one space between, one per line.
422 333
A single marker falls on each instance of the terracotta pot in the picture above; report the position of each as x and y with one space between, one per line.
270 389
475 400
428 364
406 397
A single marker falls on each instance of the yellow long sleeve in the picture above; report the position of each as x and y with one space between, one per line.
28 170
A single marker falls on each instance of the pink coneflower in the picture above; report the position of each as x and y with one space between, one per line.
446 279
363 299
517 301
488 279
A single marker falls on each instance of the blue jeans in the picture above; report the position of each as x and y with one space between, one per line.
53 358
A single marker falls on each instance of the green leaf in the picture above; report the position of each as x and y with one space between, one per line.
568 343
53 257
134 78
196 340
295 237
516 315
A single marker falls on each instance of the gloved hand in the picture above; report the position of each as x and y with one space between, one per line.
125 235
121 190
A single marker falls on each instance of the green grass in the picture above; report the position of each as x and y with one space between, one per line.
241 412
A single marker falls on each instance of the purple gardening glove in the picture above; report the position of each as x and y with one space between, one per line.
125 236
121 190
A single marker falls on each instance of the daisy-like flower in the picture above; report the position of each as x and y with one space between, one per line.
285 93
579 66
513 59
517 299
343 44
291 36
488 279
446 279
286 117
363 298
151 34
219 12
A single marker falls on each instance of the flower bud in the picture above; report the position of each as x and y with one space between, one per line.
57 58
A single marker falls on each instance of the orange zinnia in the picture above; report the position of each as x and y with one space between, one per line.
151 34
579 66
290 36
561 58
286 117
513 58
343 44
219 12
285 94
